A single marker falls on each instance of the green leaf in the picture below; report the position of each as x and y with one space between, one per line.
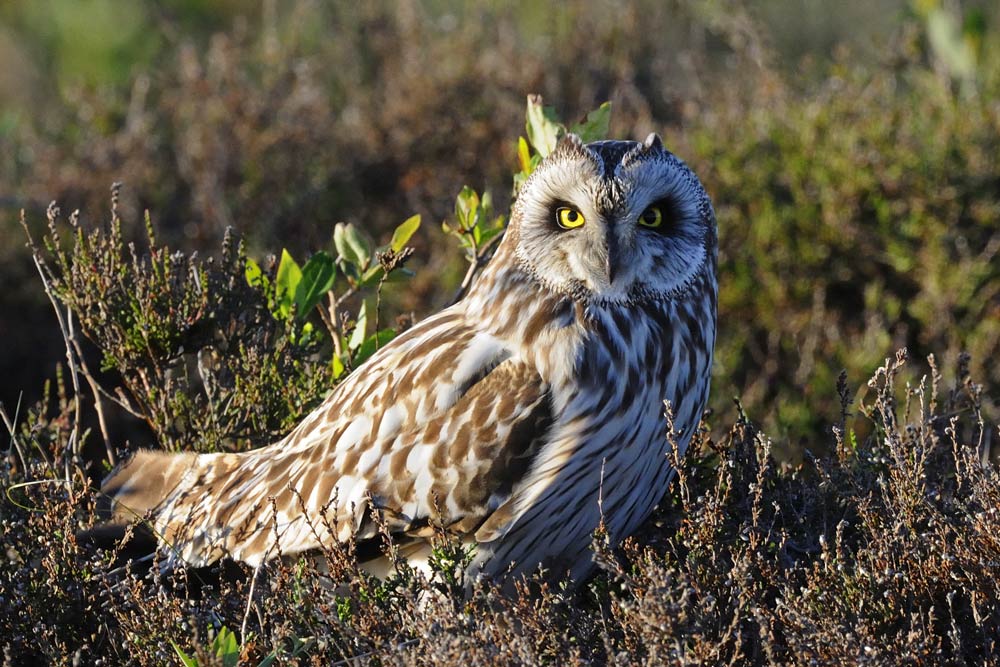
186 660
255 277
299 646
524 156
344 609
353 250
466 207
344 251
359 244
226 647
403 233
543 128
286 282
373 343
371 276
346 259
489 234
595 126
318 276
521 177
337 367
307 334
399 276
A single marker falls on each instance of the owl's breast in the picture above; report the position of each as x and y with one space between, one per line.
633 358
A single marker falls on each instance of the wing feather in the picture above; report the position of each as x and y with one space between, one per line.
469 457
437 428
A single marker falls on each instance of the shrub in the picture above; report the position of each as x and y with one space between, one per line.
884 553
853 221
856 211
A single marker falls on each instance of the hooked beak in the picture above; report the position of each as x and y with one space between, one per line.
613 260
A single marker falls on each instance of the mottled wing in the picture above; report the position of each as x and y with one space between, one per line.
437 427
464 463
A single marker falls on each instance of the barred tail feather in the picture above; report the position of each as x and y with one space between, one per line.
204 507
143 482
131 493
167 492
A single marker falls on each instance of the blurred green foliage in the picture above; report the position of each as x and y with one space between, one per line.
861 219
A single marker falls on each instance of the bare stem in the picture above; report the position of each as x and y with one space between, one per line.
332 320
9 423
345 296
66 327
97 391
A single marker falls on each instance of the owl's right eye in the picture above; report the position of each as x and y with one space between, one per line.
569 218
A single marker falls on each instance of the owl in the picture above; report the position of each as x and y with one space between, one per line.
520 419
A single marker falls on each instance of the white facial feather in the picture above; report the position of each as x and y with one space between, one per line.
648 263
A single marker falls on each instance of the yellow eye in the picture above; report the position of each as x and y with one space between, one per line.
651 217
569 218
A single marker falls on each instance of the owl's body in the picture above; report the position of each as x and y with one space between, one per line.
519 418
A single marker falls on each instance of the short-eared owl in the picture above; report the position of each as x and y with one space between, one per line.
518 419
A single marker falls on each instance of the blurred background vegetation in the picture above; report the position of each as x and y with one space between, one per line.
852 151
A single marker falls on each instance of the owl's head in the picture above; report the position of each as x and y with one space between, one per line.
613 221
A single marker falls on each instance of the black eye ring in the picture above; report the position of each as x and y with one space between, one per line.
660 216
652 217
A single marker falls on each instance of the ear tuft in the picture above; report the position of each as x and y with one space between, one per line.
653 142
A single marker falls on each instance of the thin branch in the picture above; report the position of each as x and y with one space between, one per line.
324 314
66 329
378 304
345 296
334 315
97 391
250 603
121 400
75 441
390 260
355 659
473 268
10 423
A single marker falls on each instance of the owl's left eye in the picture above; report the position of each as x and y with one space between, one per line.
569 218
651 217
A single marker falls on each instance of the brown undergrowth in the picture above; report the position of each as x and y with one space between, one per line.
886 553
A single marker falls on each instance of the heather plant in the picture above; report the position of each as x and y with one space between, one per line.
305 114
882 553
217 354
